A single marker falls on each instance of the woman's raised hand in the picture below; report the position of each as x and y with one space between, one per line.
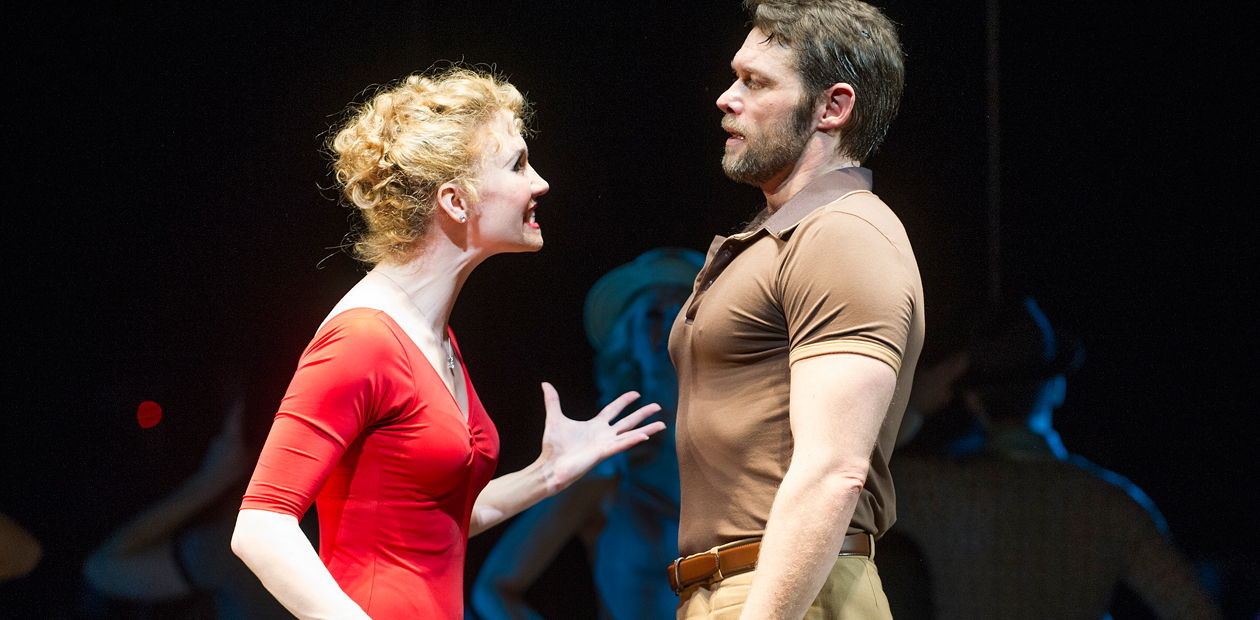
571 448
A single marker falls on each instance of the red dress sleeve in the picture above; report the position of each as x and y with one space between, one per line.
347 381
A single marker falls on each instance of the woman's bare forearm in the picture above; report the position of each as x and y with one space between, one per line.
508 495
274 547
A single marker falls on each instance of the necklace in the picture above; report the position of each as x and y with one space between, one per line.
446 340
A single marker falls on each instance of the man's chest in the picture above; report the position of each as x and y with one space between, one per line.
735 316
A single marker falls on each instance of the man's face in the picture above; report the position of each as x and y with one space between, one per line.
766 114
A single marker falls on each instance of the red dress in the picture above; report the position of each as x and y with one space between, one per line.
370 427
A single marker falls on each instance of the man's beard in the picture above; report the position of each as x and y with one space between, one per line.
770 153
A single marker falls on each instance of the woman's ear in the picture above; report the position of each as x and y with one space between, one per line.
451 200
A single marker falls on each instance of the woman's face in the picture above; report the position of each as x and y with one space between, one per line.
503 217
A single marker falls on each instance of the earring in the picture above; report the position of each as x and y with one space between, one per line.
462 218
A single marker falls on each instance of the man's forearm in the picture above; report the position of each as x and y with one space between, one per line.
807 525
834 427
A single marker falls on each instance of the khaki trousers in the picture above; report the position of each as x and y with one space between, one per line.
852 592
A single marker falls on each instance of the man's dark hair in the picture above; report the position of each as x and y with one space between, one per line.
841 41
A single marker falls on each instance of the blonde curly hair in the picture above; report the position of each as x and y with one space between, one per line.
414 135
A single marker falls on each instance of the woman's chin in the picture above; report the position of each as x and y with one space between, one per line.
531 243
533 240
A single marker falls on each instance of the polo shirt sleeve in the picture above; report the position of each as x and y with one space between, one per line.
844 288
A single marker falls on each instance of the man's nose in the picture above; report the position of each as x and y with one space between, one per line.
728 101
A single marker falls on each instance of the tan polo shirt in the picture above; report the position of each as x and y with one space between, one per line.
830 272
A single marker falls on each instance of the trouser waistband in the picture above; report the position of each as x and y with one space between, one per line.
740 556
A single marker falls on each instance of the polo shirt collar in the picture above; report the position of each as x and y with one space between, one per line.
825 189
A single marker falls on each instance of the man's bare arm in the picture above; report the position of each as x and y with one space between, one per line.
838 403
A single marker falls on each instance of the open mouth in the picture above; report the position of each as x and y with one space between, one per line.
729 125
532 219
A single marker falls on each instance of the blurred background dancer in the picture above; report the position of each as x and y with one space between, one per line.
625 511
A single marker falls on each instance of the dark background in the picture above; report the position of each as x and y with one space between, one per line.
171 234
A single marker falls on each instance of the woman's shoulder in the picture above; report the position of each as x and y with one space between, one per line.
359 332
360 320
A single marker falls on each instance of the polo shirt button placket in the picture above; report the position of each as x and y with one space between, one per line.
719 264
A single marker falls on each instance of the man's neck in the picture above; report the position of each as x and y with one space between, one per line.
818 158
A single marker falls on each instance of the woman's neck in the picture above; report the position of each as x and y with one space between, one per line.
431 280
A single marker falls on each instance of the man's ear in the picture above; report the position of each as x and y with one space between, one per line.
451 200
837 102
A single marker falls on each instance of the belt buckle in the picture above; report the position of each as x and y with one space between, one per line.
717 561
716 575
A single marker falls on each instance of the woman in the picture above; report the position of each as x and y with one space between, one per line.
381 420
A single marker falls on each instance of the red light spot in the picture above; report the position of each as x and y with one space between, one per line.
149 414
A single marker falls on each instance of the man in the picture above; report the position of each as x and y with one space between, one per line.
1021 528
796 349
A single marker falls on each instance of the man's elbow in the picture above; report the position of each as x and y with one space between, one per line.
829 482
845 479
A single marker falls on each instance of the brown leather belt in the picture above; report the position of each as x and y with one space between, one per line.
740 557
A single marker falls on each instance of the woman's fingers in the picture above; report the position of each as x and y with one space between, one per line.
628 423
627 440
651 429
632 420
551 400
612 409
